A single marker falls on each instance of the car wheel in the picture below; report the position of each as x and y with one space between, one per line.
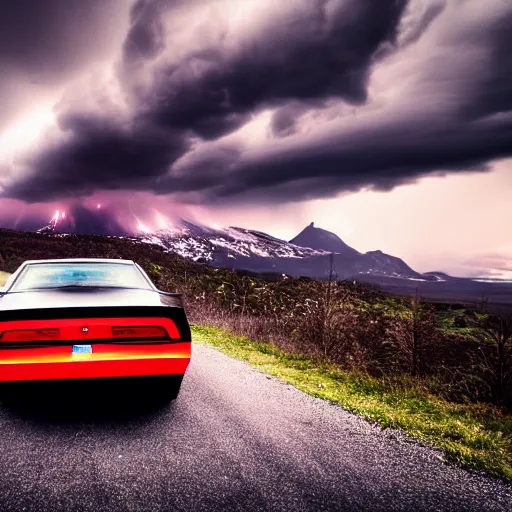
166 388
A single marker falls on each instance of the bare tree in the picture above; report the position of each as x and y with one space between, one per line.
409 340
496 331
325 306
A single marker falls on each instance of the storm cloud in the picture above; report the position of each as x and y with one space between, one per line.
260 101
43 44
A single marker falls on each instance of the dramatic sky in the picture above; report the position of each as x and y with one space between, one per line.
388 122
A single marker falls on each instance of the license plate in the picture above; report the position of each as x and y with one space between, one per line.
82 349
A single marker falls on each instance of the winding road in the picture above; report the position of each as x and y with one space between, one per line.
235 439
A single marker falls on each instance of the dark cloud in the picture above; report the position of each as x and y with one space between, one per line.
446 102
380 158
98 155
284 118
146 35
321 49
421 135
54 36
86 221
45 42
490 85
210 92
73 218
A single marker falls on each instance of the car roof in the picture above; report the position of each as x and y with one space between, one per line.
81 260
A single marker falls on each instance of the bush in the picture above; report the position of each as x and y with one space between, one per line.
460 354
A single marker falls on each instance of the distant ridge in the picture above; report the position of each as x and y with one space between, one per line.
307 254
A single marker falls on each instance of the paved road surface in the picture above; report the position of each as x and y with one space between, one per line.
234 440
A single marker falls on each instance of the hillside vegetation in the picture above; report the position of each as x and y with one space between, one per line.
461 354
474 435
440 352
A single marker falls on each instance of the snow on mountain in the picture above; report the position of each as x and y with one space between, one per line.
215 246
253 250
308 254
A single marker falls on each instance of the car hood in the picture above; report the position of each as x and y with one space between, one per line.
87 297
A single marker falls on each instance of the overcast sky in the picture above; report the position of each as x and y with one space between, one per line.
388 123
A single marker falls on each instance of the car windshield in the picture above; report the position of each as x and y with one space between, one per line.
66 275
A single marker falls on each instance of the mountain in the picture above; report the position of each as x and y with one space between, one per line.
320 239
246 249
228 246
307 254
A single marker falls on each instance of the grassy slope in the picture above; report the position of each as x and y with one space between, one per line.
476 436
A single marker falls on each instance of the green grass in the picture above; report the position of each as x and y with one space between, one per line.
475 436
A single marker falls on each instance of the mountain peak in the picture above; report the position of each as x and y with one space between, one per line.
323 240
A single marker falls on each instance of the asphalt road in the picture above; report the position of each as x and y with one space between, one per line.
235 439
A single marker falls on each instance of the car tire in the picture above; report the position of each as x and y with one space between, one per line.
166 388
13 394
